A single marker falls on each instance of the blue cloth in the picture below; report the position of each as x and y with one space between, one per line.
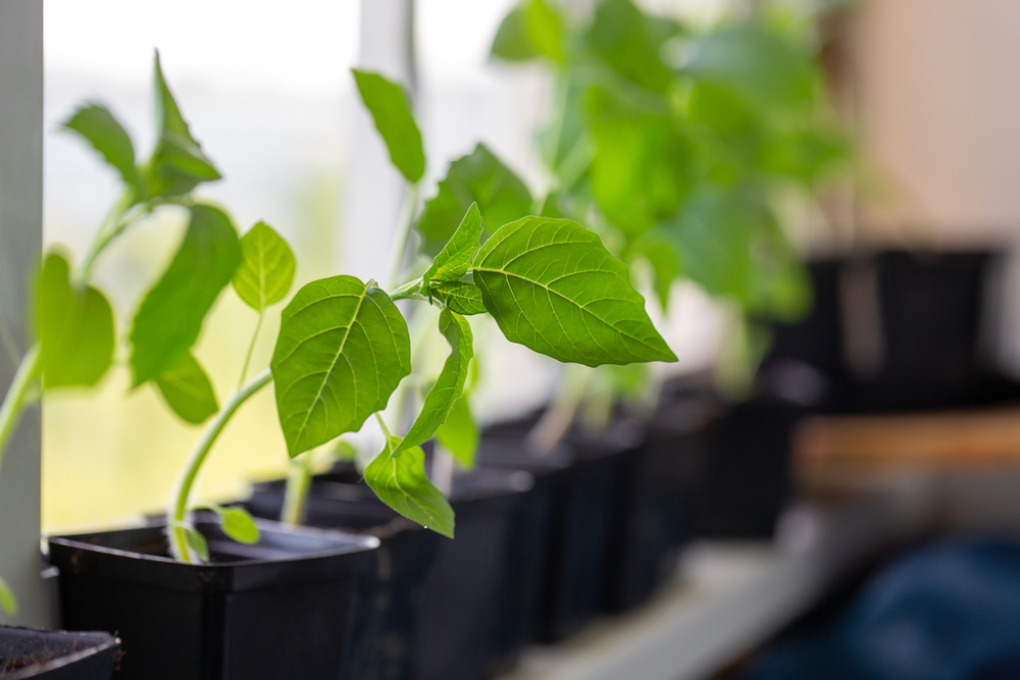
948 612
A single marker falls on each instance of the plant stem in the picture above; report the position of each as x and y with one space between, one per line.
16 397
442 469
554 424
399 246
179 507
299 479
251 348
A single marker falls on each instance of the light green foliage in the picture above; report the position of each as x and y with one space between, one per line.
178 164
75 328
631 43
400 483
477 178
454 260
661 255
196 542
342 350
459 434
460 297
187 390
97 125
266 270
171 315
8 603
534 29
391 112
552 286
238 524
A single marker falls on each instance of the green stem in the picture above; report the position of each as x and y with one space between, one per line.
554 424
16 397
251 348
402 234
299 479
409 291
179 507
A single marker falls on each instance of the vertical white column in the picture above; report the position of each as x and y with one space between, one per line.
375 189
21 116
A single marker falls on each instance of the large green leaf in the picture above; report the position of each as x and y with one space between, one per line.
477 178
171 315
75 328
187 390
266 270
449 385
97 125
393 118
459 434
632 43
642 167
342 350
552 286
458 296
455 259
178 164
401 483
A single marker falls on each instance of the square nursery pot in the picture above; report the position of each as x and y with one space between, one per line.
281 608
465 602
49 655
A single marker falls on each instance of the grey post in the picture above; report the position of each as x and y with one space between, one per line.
21 122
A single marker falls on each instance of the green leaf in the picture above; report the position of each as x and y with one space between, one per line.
642 168
455 259
266 270
178 164
477 178
512 41
459 435
238 524
342 350
460 297
196 542
531 30
187 390
553 287
8 603
391 112
344 450
75 328
171 315
631 43
449 385
97 125
400 483
662 257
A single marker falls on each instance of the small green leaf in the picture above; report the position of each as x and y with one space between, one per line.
455 259
477 178
449 385
178 164
187 390
344 450
391 112
631 42
97 125
8 603
662 257
400 483
460 297
530 30
75 328
553 287
342 350
512 41
196 542
459 434
171 315
238 524
266 270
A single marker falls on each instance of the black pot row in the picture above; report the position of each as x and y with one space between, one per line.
543 545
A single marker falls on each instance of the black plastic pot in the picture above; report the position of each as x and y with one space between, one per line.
282 608
49 655
466 610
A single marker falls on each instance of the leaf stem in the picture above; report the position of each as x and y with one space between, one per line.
403 233
409 291
299 479
16 397
179 506
554 424
251 348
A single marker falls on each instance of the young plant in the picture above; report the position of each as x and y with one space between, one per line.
678 142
